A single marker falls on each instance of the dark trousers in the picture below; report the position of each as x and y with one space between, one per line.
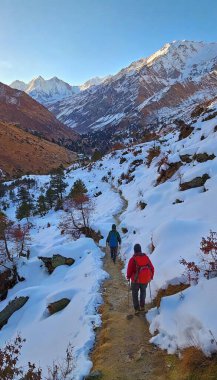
114 251
135 287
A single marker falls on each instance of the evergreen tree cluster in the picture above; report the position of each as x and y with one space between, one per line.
52 197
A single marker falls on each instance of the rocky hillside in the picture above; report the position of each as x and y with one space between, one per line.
147 92
19 108
21 153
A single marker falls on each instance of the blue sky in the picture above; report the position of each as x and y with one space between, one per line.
79 39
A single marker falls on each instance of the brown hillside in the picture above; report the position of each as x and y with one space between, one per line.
19 108
22 153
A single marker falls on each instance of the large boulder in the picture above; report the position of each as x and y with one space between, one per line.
196 182
59 305
185 129
169 172
8 279
55 261
11 308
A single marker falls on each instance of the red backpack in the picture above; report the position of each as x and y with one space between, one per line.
143 273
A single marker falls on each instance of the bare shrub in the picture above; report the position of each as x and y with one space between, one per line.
61 371
9 368
207 264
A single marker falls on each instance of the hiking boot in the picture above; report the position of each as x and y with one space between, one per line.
142 308
137 311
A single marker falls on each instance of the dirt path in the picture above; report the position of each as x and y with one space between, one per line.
122 350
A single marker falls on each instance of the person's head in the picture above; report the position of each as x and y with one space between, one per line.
113 226
137 248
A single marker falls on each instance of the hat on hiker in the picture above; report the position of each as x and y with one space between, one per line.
113 226
137 248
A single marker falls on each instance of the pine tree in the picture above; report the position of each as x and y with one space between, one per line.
50 197
41 205
25 207
5 226
23 194
58 183
97 155
2 190
12 195
23 211
77 189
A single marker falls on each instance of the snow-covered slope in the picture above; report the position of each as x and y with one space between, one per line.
47 336
92 82
179 74
169 211
46 91
169 223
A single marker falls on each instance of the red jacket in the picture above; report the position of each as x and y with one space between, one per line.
140 266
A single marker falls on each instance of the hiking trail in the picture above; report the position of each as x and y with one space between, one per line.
122 350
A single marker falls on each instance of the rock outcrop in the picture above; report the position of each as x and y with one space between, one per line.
196 182
59 305
186 158
11 308
203 157
169 172
8 278
55 261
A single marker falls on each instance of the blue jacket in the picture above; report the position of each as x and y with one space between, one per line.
113 238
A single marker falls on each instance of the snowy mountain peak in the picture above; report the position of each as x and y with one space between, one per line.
46 91
183 53
18 85
54 89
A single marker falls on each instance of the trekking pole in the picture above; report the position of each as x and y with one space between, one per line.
150 291
129 293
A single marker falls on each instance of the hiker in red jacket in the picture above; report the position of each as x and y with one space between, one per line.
140 271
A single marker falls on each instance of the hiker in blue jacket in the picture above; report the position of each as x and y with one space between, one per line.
113 240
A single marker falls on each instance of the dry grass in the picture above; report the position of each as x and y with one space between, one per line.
152 153
193 365
169 291
21 153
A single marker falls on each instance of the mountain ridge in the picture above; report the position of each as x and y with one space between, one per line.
180 73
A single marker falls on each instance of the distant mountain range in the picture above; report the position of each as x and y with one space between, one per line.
149 92
52 90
